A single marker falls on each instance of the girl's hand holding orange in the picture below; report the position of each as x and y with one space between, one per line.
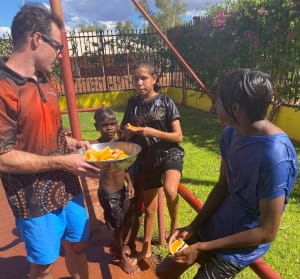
132 127
142 131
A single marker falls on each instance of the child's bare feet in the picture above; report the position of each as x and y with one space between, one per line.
146 251
128 264
132 247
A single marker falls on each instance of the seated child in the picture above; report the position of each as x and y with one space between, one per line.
116 196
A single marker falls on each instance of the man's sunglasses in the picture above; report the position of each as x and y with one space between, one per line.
55 44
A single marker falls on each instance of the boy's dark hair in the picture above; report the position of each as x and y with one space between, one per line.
152 70
103 113
251 89
33 17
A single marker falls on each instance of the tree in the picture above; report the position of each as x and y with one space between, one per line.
168 14
261 34
125 26
5 46
96 26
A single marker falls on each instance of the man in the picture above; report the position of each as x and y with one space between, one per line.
241 216
38 173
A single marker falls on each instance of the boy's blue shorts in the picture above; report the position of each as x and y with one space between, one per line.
42 235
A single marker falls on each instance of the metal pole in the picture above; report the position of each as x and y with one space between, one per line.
170 45
67 74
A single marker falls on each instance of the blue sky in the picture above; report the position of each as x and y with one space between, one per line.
88 11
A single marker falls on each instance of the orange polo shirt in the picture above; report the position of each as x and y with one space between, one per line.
30 121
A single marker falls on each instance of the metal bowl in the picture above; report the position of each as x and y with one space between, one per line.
129 148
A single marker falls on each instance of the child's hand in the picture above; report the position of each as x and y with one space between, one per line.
130 191
142 131
124 134
74 144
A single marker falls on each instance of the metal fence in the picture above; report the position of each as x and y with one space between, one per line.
101 61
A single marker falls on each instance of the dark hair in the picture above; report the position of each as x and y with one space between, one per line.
103 113
251 89
152 70
33 17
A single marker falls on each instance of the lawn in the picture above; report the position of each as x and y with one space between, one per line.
201 168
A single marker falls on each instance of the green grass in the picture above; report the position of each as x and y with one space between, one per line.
201 169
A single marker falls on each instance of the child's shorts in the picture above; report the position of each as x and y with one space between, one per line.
213 266
42 235
153 168
117 207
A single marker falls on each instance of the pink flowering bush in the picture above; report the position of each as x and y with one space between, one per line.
246 33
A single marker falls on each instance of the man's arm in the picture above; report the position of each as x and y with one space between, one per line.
21 162
174 136
213 201
271 212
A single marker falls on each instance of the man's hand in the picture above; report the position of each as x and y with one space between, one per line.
74 163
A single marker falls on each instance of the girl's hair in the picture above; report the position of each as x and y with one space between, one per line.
103 113
251 89
152 70
33 17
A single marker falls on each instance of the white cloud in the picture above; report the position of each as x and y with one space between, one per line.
191 13
109 24
4 31
196 4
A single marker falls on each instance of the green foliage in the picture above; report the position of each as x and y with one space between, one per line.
246 33
5 46
168 13
125 26
94 27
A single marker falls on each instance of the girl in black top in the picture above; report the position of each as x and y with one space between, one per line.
158 130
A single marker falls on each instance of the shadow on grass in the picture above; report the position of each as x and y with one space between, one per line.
200 128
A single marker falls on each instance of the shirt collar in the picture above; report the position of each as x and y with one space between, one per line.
17 78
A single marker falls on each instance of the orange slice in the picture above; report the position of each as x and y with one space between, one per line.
133 127
106 154
177 246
